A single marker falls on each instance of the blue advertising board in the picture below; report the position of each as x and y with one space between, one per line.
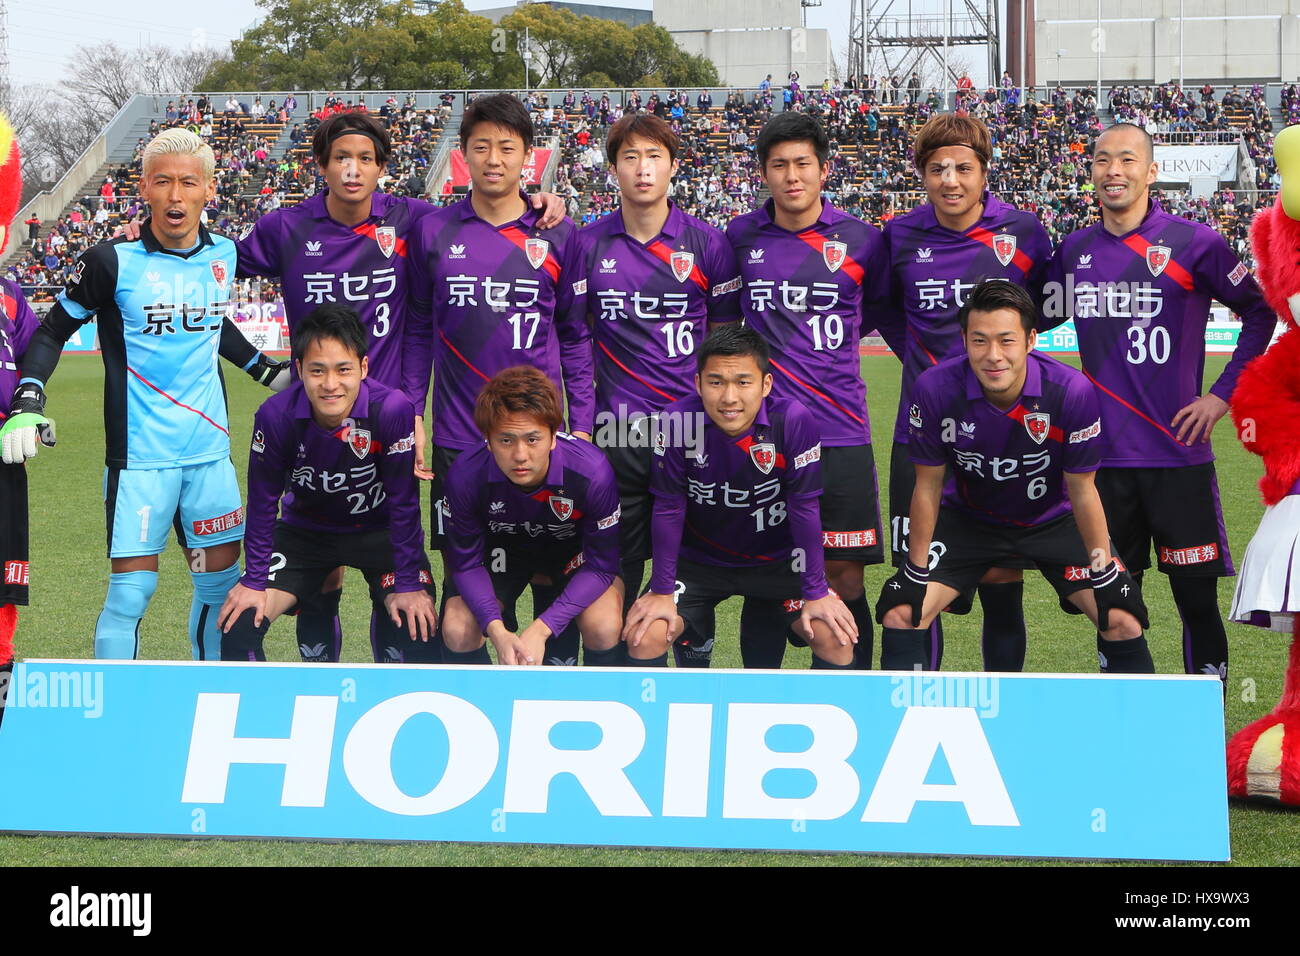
1007 765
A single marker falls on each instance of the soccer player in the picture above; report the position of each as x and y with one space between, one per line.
335 454
160 302
1006 442
808 271
1138 285
936 253
531 501
492 289
654 281
736 512
19 441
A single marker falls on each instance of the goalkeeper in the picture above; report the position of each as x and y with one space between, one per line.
161 304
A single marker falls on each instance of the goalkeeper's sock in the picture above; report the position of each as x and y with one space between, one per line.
1205 642
1003 637
210 590
117 632
903 649
320 636
613 657
243 642
1125 657
479 656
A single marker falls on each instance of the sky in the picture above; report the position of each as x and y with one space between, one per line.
43 35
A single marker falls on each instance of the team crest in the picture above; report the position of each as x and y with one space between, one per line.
359 441
763 456
834 254
536 250
1157 259
219 272
563 507
1004 247
386 236
1038 424
682 263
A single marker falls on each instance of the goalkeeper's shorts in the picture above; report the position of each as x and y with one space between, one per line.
200 502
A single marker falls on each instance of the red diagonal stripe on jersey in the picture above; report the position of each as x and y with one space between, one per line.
982 235
965 494
634 374
1053 432
174 402
662 252
822 395
545 497
850 266
928 354
443 335
747 442
1139 244
369 229
520 239
735 554
1146 418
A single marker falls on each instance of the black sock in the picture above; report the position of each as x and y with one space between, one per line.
864 650
903 649
660 661
613 657
686 654
243 642
320 637
1125 657
763 632
1003 635
934 643
562 649
479 656
1205 642
820 664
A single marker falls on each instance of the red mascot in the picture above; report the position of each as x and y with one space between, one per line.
1264 757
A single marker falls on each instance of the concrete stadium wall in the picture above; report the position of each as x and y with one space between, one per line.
679 16
1224 40
744 57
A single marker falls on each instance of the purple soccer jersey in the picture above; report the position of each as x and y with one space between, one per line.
486 298
1140 303
364 267
804 293
1006 467
932 268
650 305
738 502
358 477
573 515
17 323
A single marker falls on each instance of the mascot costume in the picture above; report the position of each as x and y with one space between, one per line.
17 323
1264 757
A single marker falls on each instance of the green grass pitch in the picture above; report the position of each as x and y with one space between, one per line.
70 574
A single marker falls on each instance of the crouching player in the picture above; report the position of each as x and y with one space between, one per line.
741 509
336 453
1020 434
531 502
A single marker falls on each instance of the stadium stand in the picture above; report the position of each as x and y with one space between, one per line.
264 157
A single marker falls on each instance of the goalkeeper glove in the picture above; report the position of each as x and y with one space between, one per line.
274 374
907 586
26 425
1114 589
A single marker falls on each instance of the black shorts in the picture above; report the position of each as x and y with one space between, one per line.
440 459
967 548
702 587
636 506
303 559
850 505
902 482
512 570
1177 510
13 534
